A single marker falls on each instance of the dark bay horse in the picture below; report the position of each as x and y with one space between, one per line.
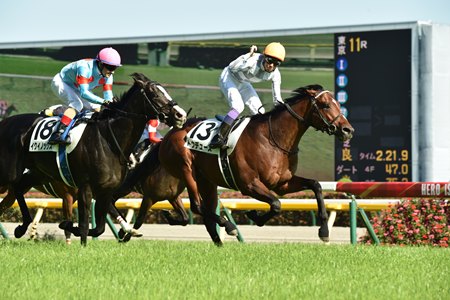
99 162
148 178
264 159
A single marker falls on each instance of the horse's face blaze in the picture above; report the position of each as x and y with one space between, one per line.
169 112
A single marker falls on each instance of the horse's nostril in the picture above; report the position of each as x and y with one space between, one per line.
348 130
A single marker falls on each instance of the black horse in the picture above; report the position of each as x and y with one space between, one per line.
98 164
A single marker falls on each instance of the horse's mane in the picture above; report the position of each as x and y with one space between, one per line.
119 102
302 92
193 120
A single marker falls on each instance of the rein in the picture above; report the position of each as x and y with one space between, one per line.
289 153
329 127
159 114
122 155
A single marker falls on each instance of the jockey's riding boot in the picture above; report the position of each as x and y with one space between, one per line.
220 139
56 137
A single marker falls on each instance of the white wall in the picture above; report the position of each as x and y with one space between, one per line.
434 103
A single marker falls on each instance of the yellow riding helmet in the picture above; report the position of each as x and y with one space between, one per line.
275 50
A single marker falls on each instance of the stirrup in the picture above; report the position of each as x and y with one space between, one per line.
217 142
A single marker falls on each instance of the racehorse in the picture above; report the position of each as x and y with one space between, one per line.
99 162
155 184
148 178
264 159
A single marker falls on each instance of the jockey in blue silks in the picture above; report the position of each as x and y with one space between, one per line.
74 83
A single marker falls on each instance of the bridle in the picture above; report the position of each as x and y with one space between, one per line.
328 127
158 111
161 110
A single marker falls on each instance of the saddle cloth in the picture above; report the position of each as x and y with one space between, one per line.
39 143
44 129
199 138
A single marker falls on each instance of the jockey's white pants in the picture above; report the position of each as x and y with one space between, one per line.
239 93
70 95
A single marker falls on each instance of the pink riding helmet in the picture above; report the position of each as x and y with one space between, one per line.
109 56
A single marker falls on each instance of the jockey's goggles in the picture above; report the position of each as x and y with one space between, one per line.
272 60
110 67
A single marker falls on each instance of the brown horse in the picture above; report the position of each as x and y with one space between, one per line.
263 161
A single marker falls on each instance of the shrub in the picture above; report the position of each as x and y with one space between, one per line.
414 222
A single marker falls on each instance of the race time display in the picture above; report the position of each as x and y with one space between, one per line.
373 85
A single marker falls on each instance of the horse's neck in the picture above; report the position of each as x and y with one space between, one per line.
127 132
288 129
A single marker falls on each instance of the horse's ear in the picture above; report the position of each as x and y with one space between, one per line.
311 92
139 82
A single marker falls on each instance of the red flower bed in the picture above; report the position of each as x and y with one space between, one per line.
414 222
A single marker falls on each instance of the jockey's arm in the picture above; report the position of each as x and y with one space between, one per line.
276 88
152 130
86 94
107 89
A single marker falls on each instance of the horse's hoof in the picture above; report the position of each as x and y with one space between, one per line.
231 229
326 240
66 225
233 232
68 242
121 234
135 233
218 244
19 231
126 238
324 233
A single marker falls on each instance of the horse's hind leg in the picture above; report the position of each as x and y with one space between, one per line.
68 214
142 214
297 184
7 202
178 206
26 217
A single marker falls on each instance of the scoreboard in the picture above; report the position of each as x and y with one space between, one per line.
373 86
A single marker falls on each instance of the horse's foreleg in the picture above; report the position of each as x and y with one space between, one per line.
208 192
297 184
259 191
192 188
84 205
